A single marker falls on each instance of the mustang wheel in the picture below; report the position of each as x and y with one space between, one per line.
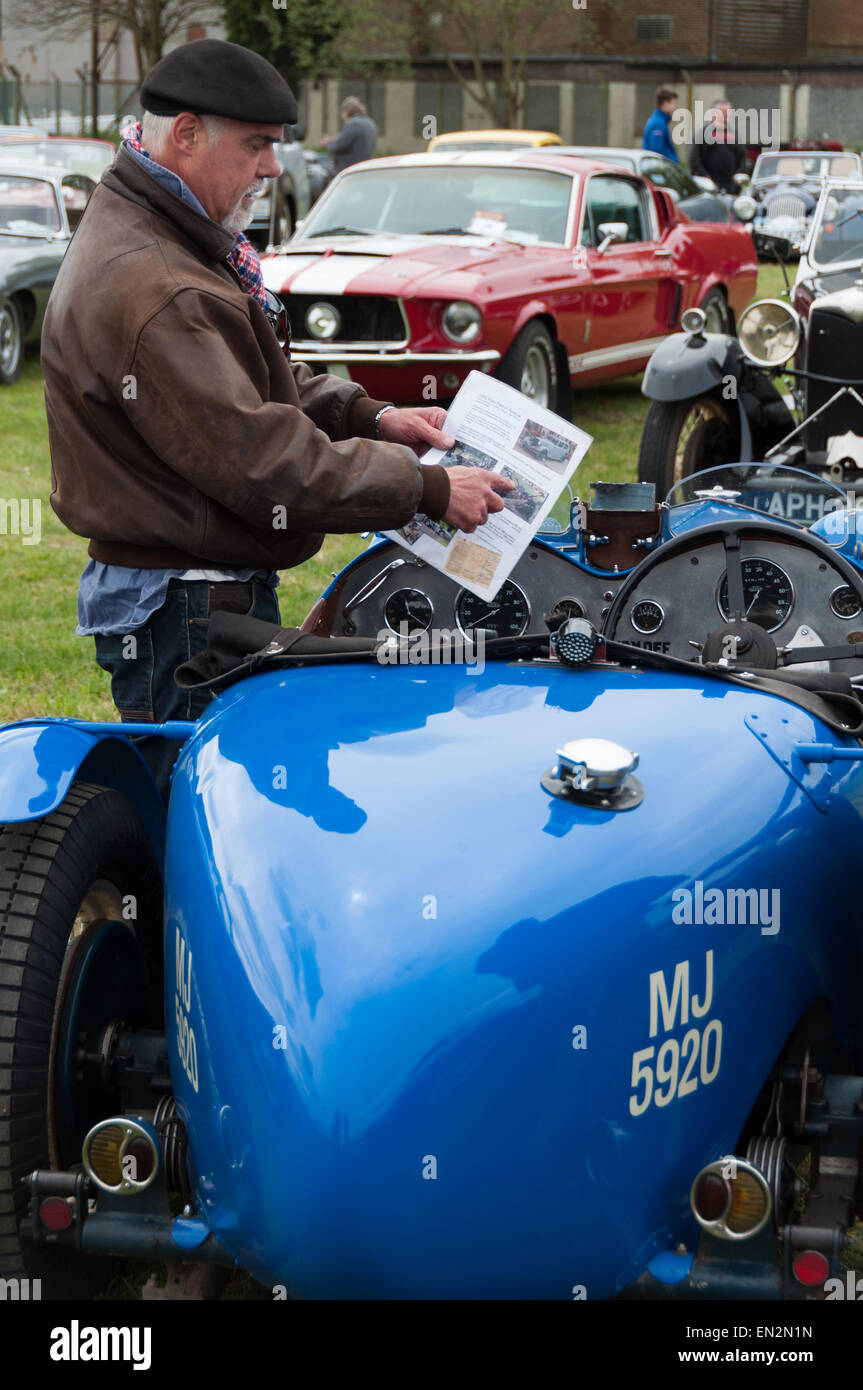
530 366
11 341
80 945
683 437
717 315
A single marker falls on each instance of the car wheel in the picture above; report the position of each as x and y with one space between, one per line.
717 315
283 222
683 437
530 365
80 947
11 342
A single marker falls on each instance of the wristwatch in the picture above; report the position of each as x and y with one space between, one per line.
381 412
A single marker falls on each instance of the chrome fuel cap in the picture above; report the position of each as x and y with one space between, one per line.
596 772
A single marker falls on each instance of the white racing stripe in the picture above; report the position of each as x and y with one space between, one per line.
278 271
331 274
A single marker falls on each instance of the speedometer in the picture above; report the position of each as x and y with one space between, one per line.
507 614
768 594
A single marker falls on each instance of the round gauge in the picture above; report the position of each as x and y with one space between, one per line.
647 616
508 613
844 602
565 608
407 606
768 594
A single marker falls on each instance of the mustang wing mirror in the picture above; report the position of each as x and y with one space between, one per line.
610 232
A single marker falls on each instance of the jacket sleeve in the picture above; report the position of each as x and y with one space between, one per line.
340 408
201 407
696 161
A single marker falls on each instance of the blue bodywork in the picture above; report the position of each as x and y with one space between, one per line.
411 996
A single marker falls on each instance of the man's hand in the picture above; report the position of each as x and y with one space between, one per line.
473 496
421 428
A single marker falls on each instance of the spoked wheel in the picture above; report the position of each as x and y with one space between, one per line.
80 947
717 317
530 366
11 342
684 437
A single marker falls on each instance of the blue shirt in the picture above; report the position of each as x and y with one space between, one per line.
657 135
111 598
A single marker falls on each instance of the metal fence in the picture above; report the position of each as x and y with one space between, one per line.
64 108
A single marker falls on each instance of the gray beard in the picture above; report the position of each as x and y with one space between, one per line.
238 219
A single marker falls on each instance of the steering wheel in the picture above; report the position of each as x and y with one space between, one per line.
737 640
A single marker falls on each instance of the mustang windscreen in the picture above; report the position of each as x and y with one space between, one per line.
530 204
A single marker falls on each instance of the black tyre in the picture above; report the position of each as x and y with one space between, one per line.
80 950
683 437
11 342
717 315
530 365
283 220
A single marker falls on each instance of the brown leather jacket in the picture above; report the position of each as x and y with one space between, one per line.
180 433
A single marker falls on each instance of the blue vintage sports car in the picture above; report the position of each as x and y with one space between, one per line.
535 974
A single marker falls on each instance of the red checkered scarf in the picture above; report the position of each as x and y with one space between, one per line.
243 258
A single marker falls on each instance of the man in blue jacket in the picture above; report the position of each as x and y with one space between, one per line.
657 135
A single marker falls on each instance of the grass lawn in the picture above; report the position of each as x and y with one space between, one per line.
46 669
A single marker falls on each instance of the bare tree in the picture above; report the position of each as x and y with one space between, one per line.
150 22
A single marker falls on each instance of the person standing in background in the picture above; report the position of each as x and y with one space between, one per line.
657 132
717 154
357 138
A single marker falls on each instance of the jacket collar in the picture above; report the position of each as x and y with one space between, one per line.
128 177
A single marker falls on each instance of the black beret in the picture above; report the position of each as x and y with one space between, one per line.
212 78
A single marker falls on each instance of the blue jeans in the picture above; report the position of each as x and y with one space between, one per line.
142 662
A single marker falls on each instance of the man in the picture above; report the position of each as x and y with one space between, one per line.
191 452
657 135
357 138
717 155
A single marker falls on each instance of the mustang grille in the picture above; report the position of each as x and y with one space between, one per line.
786 205
366 318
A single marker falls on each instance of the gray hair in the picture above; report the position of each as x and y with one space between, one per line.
155 130
351 106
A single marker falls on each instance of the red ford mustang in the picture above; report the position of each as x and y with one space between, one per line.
545 269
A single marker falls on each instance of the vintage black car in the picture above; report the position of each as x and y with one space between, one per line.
718 399
39 210
785 189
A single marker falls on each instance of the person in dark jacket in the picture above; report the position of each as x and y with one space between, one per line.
357 138
657 132
716 154
185 445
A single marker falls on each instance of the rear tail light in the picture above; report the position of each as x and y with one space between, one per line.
731 1199
55 1214
121 1155
810 1268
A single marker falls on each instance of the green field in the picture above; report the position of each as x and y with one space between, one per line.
46 669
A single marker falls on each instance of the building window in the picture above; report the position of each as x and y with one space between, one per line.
654 28
774 27
542 107
442 102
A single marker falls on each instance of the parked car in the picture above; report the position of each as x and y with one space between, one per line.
545 269
81 156
38 213
353 1015
287 198
320 172
461 141
718 399
700 204
785 189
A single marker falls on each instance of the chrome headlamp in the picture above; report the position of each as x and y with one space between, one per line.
769 332
323 321
461 321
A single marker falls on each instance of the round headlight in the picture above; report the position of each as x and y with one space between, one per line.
769 332
693 321
461 321
323 321
745 207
